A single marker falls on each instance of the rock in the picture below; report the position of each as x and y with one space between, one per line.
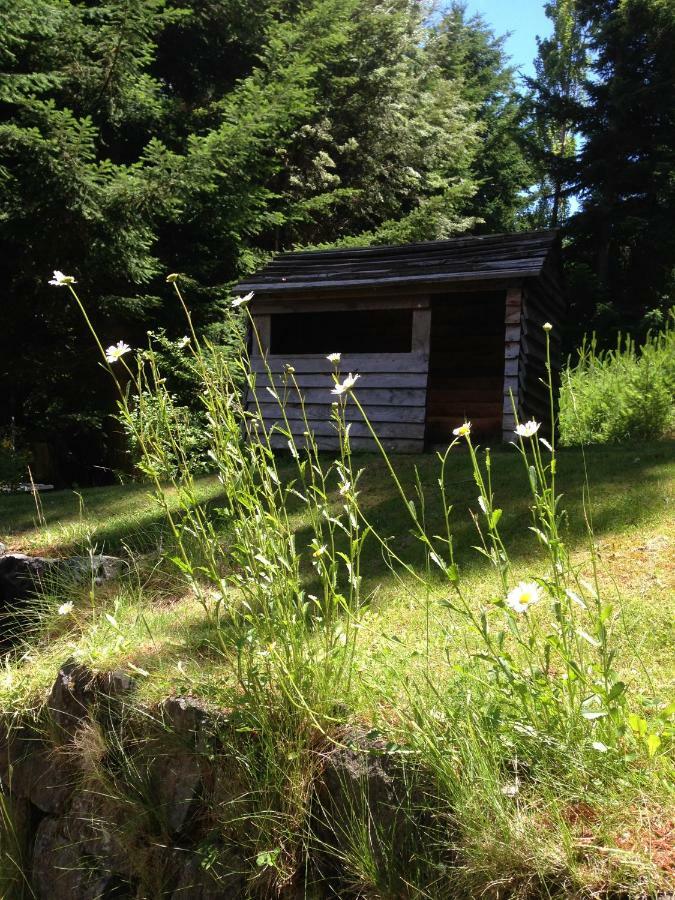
98 567
63 870
177 780
3 548
18 743
22 575
72 695
196 883
184 715
97 827
364 790
50 781
30 771
354 776
177 771
77 690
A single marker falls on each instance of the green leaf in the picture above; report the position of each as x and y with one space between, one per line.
267 858
653 743
617 689
637 725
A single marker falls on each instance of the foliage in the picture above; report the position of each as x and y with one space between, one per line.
625 394
469 54
622 247
140 138
557 90
13 463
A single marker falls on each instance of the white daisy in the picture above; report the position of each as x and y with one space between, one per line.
65 608
346 385
239 301
463 430
61 280
523 596
528 429
116 351
334 357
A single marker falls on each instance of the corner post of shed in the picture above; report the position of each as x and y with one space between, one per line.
512 338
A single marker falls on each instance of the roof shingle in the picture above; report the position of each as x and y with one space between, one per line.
521 254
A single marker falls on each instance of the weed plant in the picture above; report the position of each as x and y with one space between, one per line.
524 747
624 394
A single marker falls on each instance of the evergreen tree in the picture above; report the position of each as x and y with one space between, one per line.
623 241
557 94
144 136
473 58
390 136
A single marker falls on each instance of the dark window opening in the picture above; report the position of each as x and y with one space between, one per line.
366 331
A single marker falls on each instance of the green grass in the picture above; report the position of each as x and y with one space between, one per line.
159 627
409 650
109 518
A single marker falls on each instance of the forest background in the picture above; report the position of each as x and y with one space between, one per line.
142 137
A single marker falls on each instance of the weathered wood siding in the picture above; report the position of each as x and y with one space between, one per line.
539 306
392 390
511 395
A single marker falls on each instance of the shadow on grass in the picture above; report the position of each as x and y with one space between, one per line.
628 488
107 518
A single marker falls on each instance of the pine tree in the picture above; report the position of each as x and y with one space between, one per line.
558 92
623 242
474 59
144 136
390 140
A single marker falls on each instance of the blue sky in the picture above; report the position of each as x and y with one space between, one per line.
524 18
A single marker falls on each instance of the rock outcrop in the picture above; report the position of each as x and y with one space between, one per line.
22 575
115 800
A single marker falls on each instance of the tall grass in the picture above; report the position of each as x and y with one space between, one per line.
624 394
507 744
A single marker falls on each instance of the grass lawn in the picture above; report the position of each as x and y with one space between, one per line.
632 491
409 645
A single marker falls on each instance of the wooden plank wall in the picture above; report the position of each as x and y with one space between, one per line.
513 316
392 390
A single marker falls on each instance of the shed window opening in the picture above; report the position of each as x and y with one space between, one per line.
365 331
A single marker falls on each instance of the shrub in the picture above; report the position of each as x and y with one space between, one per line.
13 463
619 395
160 419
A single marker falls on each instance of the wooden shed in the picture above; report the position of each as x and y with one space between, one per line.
440 332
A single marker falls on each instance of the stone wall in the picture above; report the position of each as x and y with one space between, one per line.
107 799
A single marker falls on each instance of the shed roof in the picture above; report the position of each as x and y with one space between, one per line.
472 258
